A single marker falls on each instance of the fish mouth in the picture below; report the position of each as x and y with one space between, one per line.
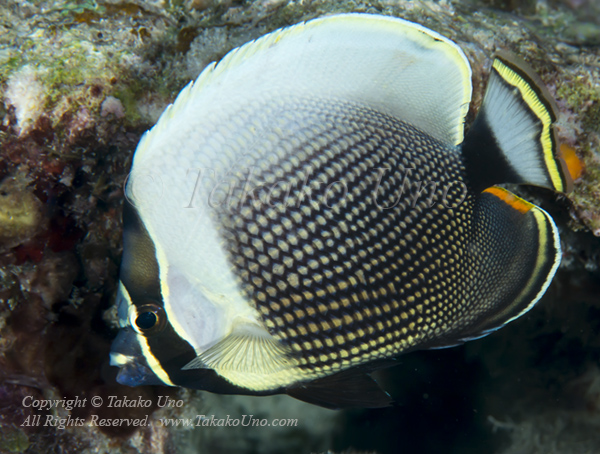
127 355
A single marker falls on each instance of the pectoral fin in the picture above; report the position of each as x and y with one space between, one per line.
249 357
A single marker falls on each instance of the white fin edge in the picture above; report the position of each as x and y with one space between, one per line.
539 216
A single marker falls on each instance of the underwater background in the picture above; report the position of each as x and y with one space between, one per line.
80 81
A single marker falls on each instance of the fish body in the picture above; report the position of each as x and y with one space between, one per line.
309 209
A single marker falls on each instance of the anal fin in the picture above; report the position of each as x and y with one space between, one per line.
520 253
346 389
515 253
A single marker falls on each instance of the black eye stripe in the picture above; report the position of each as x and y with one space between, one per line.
139 267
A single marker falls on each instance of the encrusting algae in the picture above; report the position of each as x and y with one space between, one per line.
21 214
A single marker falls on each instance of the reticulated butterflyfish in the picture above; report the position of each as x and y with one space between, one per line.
322 212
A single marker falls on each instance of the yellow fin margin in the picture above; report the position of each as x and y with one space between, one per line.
525 84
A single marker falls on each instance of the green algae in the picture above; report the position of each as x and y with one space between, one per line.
581 93
80 61
583 96
68 70
20 212
13 440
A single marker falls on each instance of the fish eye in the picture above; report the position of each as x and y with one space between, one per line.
148 319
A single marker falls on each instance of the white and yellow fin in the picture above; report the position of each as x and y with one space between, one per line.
384 63
249 353
512 139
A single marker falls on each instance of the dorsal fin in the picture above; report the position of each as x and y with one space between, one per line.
512 139
385 63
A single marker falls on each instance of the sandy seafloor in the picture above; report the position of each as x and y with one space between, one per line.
80 81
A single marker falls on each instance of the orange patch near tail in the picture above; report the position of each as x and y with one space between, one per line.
574 164
509 198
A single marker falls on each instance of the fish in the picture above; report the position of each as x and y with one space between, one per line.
311 208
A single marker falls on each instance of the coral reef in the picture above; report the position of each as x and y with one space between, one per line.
81 81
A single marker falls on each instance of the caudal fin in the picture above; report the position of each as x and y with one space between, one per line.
512 139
